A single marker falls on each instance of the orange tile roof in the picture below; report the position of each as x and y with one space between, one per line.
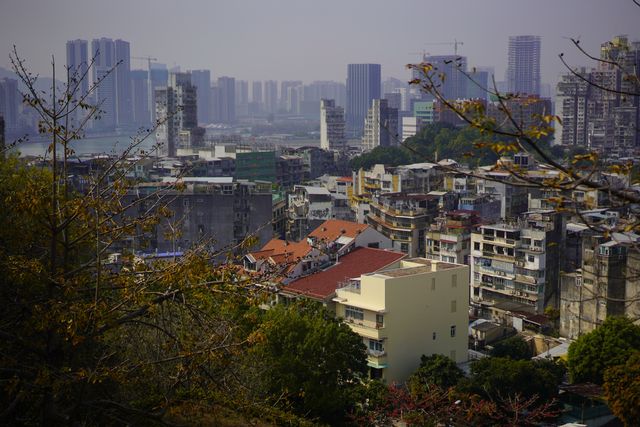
292 249
332 229
323 284
345 179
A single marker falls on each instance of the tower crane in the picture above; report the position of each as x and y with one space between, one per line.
455 44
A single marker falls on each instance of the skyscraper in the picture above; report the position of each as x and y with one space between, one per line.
103 52
242 97
331 125
201 79
363 86
271 96
9 102
224 100
78 63
523 71
176 107
140 97
124 107
256 92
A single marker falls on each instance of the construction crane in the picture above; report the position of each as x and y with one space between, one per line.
455 44
424 53
147 58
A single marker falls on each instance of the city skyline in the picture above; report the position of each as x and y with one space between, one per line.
289 41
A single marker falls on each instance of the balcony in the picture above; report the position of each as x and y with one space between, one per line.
377 358
367 328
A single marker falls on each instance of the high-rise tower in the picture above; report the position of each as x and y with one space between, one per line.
78 63
201 79
523 72
363 86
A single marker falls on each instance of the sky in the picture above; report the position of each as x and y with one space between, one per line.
312 39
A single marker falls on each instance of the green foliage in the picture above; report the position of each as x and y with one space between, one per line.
391 156
311 360
514 348
436 370
496 377
611 344
622 390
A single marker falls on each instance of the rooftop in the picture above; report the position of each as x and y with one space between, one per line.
360 261
333 229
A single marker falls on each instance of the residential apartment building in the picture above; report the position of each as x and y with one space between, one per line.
408 309
215 212
607 284
517 262
176 107
380 126
449 237
404 218
600 116
331 126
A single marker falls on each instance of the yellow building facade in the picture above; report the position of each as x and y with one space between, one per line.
411 308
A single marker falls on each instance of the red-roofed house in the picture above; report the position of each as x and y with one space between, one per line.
341 236
322 285
284 258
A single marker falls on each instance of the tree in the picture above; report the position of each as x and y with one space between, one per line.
435 370
514 348
310 360
622 390
454 408
497 378
611 344
85 341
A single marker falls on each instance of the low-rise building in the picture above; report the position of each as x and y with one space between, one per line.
404 219
411 308
321 286
218 213
449 237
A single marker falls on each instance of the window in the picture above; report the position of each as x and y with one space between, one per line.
434 335
354 313
476 246
379 320
375 345
453 330
537 243
531 258
433 284
454 281
454 306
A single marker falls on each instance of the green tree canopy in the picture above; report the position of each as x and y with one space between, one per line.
311 360
436 370
497 377
610 344
622 390
513 347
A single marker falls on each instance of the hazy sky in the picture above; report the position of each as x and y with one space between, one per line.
312 40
